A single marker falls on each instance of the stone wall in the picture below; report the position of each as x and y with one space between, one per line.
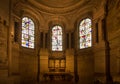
28 66
21 64
4 47
85 66
113 26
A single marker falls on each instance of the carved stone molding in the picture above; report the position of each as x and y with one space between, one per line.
57 55
100 14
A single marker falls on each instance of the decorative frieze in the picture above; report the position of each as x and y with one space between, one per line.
57 55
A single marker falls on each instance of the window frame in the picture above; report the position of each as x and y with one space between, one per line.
33 22
62 38
85 34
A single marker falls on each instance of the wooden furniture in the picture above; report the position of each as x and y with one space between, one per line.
57 76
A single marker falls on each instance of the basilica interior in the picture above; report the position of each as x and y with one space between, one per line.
60 42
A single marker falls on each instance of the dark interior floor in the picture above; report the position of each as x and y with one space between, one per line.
56 82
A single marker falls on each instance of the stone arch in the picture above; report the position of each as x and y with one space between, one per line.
80 15
83 13
57 20
23 10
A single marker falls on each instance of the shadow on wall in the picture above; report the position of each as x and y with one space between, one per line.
99 82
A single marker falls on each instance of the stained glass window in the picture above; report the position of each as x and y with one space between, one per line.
85 33
27 33
57 38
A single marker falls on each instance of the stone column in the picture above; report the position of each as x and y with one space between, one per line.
43 39
95 32
100 30
70 39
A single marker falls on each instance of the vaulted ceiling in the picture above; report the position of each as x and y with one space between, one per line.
62 6
64 12
59 3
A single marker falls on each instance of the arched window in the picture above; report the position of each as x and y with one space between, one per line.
57 38
85 36
27 33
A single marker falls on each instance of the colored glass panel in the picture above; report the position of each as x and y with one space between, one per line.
27 33
57 38
85 33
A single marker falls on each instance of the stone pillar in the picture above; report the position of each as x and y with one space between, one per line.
44 40
100 30
95 32
70 39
